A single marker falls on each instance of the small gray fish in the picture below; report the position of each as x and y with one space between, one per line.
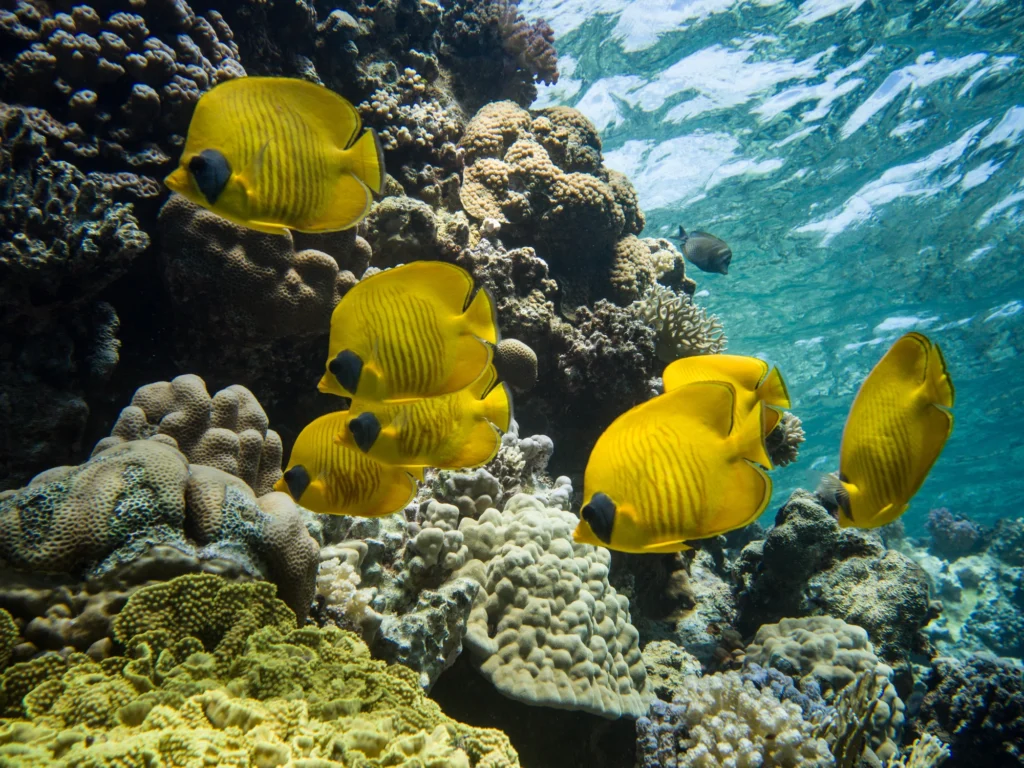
706 252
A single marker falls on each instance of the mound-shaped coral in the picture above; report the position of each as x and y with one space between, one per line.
228 431
90 519
547 628
539 176
206 683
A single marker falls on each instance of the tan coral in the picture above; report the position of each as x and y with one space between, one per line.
783 442
229 431
633 271
683 329
546 628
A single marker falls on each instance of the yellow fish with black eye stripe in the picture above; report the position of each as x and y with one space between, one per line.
454 431
679 467
275 153
755 382
897 427
338 480
413 331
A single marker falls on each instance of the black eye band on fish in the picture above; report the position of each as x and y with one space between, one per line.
600 515
297 479
365 428
211 171
347 367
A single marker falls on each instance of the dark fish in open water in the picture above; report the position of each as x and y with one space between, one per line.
413 331
275 153
897 427
706 252
676 468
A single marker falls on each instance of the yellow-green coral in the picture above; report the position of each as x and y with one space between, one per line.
311 697
8 637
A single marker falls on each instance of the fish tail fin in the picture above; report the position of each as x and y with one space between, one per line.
365 160
497 407
772 417
481 317
772 391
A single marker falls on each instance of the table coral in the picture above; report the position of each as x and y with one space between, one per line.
275 693
228 431
546 628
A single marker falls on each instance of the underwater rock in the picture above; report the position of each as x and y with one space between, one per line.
228 431
808 565
977 707
953 535
232 661
402 229
88 520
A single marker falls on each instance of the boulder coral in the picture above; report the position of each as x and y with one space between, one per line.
219 672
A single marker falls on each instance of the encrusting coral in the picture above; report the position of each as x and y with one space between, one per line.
218 672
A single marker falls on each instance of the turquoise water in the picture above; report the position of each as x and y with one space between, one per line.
863 159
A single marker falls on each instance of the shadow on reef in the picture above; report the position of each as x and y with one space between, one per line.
544 738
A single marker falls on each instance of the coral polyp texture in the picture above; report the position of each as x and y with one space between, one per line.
118 83
217 673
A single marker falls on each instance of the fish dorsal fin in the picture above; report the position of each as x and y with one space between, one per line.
447 284
711 403
330 113
908 358
940 385
746 372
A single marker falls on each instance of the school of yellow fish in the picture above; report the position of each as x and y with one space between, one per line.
413 350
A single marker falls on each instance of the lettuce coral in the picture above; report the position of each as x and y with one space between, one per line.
210 685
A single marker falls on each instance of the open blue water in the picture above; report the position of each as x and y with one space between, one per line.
863 159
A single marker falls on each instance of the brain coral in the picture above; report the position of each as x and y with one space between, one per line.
547 628
91 519
119 81
209 685
539 176
228 431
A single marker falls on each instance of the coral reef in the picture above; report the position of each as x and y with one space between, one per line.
118 86
953 535
783 442
808 565
546 628
682 329
228 431
219 671
89 520
977 707
493 41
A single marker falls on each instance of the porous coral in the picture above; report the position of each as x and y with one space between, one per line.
119 84
822 648
808 565
724 721
493 41
208 683
783 442
93 518
228 431
539 175
547 628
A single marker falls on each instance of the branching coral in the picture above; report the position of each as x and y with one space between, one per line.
682 328
494 41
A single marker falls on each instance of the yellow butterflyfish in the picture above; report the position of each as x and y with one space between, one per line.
897 427
676 468
755 382
454 431
276 153
413 331
338 480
